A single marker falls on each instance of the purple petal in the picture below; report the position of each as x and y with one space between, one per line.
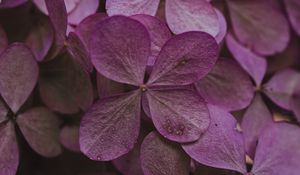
3 40
292 7
158 31
260 25
69 137
124 42
40 128
255 118
64 87
133 7
9 151
110 128
3 112
223 26
226 86
221 146
107 87
277 151
192 15
280 93
40 40
184 59
83 9
11 3
160 157
176 119
79 52
19 73
295 102
255 65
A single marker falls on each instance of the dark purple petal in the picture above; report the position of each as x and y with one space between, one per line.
133 7
184 59
226 86
260 25
107 87
120 48
110 128
177 119
255 118
295 102
292 7
19 73
192 15
79 52
69 137
3 112
40 40
281 86
40 128
158 31
64 87
277 151
255 65
3 40
11 3
9 151
222 145
160 157
83 9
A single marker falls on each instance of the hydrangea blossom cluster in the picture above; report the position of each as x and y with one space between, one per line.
149 87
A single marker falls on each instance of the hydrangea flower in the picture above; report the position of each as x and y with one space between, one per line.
120 49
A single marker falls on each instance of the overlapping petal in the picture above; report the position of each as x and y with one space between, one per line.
292 7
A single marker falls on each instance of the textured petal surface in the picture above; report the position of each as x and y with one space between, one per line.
255 65
226 86
184 59
278 151
162 157
221 146
120 48
281 86
83 9
133 7
79 52
19 73
40 128
11 3
107 87
158 31
176 119
292 7
40 40
9 159
3 40
69 137
192 15
110 128
64 86
260 25
255 118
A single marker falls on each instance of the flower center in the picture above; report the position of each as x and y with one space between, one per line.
143 88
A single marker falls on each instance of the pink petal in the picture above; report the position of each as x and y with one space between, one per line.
3 40
292 7
192 15
255 118
226 86
132 7
64 86
69 137
158 31
260 25
83 9
184 59
221 146
160 157
9 159
40 128
125 43
255 65
277 151
176 119
110 128
281 86
107 87
19 73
